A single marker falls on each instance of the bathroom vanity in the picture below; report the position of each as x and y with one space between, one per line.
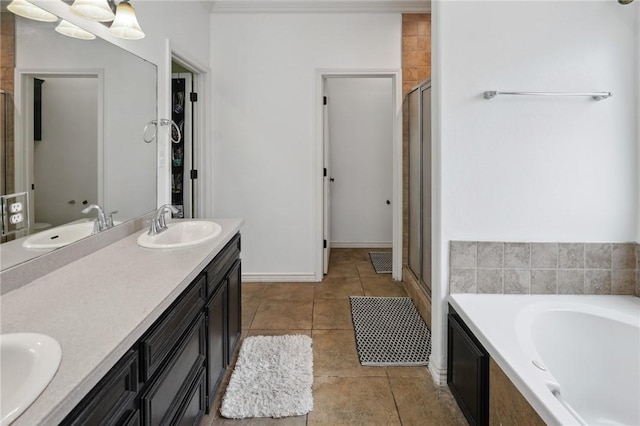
146 334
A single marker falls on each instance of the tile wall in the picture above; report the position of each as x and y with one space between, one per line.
544 268
7 64
416 67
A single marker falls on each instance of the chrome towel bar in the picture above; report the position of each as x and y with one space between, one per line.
598 96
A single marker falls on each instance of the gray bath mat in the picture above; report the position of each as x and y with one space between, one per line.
381 261
389 331
272 378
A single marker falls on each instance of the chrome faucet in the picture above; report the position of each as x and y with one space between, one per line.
103 221
158 224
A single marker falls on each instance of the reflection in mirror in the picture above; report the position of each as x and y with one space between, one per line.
72 130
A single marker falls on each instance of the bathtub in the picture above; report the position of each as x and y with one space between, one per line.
576 359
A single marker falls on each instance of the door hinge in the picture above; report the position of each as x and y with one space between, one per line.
33 186
325 100
193 97
193 174
325 172
324 244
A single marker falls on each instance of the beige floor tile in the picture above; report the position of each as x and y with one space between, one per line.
332 314
276 314
252 290
417 372
249 308
421 402
288 291
383 287
351 401
365 269
334 354
345 392
338 288
349 255
342 270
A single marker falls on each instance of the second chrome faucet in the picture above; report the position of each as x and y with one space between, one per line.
158 223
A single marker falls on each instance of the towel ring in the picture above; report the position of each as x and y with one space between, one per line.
163 122
146 128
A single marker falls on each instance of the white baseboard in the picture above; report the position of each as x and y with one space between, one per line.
348 244
277 278
439 375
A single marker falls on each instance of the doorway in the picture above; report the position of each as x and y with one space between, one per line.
59 153
370 203
187 153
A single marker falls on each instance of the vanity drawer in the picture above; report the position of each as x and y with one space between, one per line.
194 407
165 333
112 401
168 392
218 268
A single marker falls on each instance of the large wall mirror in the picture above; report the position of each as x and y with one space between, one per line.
73 131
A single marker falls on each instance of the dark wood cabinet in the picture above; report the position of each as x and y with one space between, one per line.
171 375
167 391
216 347
224 312
113 400
467 371
234 307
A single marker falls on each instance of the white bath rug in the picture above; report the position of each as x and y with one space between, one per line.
272 378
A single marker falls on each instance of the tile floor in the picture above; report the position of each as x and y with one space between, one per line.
344 392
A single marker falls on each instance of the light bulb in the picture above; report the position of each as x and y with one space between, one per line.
96 10
28 10
126 24
71 30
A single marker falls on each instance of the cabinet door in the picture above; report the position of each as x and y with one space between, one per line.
234 306
168 391
468 372
216 347
194 407
163 336
112 401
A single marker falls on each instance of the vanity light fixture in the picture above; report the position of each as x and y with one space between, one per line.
28 10
96 10
126 24
71 30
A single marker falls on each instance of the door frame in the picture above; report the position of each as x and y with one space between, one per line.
23 141
396 79
202 204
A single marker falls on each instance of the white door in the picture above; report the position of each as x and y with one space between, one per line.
185 124
326 184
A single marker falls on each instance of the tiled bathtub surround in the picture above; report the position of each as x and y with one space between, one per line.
544 268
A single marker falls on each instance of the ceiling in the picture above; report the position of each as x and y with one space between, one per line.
318 6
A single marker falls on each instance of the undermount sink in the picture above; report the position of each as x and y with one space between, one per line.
60 236
28 362
181 234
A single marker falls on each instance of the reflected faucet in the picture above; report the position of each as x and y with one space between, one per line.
102 222
158 224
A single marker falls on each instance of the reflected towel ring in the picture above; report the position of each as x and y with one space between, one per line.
146 128
163 122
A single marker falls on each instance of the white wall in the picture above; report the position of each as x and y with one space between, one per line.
264 117
66 159
527 168
361 142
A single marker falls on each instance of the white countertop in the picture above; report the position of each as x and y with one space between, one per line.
97 307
